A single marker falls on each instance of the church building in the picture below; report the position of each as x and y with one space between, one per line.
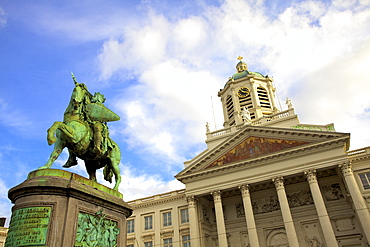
264 180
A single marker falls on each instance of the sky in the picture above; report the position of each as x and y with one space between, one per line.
160 64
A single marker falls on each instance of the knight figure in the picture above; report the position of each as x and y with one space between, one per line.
85 133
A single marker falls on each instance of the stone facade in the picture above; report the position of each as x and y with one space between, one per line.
3 234
158 219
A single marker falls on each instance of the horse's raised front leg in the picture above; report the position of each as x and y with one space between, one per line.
67 131
58 148
51 131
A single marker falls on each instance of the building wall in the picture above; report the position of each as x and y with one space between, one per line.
155 206
267 213
3 234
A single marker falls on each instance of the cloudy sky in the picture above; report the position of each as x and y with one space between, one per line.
160 64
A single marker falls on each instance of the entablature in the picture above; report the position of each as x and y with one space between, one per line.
158 199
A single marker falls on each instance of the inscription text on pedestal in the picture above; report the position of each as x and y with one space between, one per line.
28 227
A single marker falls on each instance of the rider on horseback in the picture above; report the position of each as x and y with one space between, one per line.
100 128
85 134
91 111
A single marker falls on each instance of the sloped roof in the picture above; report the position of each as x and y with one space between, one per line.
253 144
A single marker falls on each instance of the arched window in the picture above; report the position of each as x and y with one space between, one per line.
277 238
230 109
247 102
263 97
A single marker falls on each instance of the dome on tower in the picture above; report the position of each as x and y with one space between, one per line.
242 71
241 66
240 75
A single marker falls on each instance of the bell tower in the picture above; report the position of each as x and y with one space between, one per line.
247 96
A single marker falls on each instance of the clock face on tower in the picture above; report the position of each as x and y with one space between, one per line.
243 92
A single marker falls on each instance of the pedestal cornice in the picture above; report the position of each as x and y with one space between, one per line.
64 183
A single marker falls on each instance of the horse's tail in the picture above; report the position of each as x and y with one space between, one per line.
108 173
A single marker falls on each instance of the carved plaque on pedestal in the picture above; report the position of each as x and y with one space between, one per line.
96 230
28 227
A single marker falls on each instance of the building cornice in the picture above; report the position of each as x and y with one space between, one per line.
264 160
158 199
359 154
316 139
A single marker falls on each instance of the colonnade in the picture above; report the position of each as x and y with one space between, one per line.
328 232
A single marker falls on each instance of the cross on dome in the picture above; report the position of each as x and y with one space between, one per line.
241 66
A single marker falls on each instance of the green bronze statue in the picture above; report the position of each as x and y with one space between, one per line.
85 133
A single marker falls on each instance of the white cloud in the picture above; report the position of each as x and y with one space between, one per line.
189 34
338 93
160 118
80 21
134 187
13 118
142 47
181 64
3 20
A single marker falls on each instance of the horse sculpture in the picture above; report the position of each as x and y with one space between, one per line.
86 136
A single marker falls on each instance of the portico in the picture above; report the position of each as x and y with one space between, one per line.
301 210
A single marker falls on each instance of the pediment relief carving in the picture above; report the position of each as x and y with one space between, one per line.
259 144
253 147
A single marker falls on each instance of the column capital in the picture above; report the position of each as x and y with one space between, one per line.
346 168
191 200
216 195
244 189
311 175
279 182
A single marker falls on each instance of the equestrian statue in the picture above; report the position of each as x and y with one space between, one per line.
84 132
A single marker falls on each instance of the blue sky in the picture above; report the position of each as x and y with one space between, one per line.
160 65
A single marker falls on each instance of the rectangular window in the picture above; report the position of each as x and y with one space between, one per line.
186 241
148 221
167 221
184 215
148 244
167 242
130 226
365 180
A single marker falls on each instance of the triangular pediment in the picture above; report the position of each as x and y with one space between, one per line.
254 147
253 144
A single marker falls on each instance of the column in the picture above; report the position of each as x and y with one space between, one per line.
324 219
221 229
271 95
255 100
193 222
285 211
254 94
157 224
176 233
236 105
248 210
358 200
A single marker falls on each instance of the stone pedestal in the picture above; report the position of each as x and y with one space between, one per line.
58 208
